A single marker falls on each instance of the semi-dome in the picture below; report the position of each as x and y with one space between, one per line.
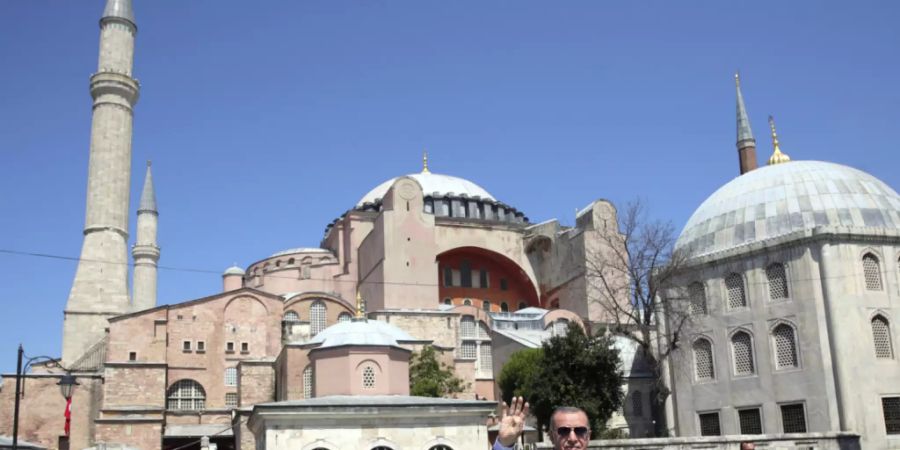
361 332
776 200
431 183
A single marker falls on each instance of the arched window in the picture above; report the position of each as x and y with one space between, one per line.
777 278
560 327
440 447
381 447
734 285
704 369
308 382
504 307
344 317
522 306
368 378
697 298
785 347
448 301
742 352
881 335
637 403
486 305
872 272
467 327
467 302
317 317
186 395
291 316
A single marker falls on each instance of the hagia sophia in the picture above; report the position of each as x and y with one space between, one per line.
789 298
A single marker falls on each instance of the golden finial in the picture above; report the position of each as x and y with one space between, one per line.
360 306
425 162
777 156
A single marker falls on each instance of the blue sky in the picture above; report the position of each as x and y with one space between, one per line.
266 120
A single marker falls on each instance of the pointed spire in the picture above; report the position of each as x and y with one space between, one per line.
777 156
148 196
360 306
122 9
425 162
744 133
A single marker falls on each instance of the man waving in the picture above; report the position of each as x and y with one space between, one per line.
569 429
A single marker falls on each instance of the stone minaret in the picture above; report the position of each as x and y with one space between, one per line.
100 289
745 143
145 251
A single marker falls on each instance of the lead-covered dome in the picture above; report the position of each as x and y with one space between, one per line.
431 183
361 332
776 200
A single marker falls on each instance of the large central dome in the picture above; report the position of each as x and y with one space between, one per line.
776 200
431 183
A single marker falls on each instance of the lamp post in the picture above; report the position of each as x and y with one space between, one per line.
66 385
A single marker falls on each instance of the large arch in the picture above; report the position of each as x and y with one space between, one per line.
508 283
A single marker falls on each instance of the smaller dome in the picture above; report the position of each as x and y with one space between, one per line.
361 332
234 270
291 251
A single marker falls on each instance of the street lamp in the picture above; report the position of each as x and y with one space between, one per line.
66 385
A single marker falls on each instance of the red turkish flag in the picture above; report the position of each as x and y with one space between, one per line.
68 414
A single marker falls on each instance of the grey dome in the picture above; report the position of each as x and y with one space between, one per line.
361 332
431 183
234 270
776 200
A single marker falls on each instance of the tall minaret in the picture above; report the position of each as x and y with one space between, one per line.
145 251
745 143
100 289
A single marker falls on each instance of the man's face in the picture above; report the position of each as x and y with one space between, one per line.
573 422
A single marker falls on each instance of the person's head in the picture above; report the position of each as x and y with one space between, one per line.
748 446
569 428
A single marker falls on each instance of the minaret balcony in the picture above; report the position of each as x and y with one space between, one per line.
107 86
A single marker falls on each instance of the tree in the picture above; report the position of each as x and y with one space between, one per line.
518 373
631 275
577 370
429 377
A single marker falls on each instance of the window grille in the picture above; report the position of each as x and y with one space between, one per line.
467 327
485 360
186 395
709 424
750 421
483 331
467 350
703 360
440 447
881 335
344 317
872 272
231 376
777 278
890 406
560 327
368 378
697 298
742 349
317 317
483 278
793 420
308 382
448 277
465 274
291 316
467 302
637 403
448 301
785 347
231 400
734 284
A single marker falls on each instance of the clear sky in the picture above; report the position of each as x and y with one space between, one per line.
266 120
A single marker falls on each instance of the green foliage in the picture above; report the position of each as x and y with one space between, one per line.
428 377
610 433
577 370
518 372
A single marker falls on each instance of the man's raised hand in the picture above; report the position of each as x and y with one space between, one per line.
512 421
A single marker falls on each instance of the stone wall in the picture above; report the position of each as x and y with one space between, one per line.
817 441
